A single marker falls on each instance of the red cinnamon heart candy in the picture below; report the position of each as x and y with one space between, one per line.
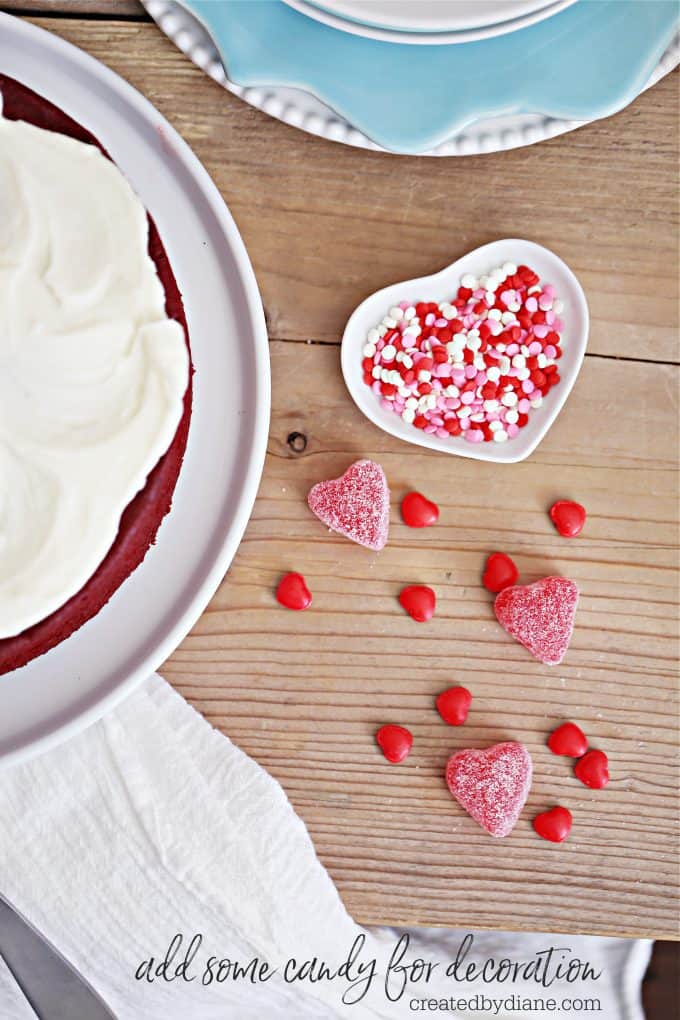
417 511
568 740
568 517
553 825
500 572
593 770
395 742
453 705
540 616
491 785
356 505
293 593
419 601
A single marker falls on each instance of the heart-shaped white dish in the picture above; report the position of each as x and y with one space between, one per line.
442 286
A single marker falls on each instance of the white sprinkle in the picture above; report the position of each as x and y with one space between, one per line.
509 268
509 399
541 360
536 289
474 342
408 415
407 361
507 318
404 391
448 311
523 374
464 411
469 281
519 361
381 330
452 391
412 402
412 330
558 306
373 335
369 350
477 416
490 297
424 375
511 416
389 322
491 405
389 352
500 436
409 313
504 364
493 374
376 371
537 401
495 425
396 313
495 313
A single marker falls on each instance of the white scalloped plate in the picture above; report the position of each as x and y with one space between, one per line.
303 110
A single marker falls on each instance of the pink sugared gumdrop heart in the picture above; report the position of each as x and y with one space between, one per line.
540 616
491 785
356 505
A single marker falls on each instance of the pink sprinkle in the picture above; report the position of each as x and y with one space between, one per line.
541 332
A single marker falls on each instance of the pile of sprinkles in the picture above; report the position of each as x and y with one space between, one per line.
475 367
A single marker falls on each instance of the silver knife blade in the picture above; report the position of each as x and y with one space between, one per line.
54 989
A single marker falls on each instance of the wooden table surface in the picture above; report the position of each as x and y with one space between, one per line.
303 694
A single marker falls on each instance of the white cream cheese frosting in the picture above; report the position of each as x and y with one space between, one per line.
92 372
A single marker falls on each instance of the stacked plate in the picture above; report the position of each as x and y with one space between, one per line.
429 77
429 22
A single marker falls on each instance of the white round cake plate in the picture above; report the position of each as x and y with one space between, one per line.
78 681
430 38
302 110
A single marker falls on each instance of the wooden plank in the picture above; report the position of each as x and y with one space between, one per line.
304 694
73 8
326 225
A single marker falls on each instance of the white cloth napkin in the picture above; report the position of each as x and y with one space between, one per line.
150 823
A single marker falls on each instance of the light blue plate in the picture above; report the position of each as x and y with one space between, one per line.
586 62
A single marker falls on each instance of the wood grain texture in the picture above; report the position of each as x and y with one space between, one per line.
304 693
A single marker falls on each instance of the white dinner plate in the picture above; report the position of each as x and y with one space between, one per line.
529 14
74 684
307 112
430 15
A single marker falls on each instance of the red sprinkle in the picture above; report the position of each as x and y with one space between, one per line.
453 705
593 770
419 601
293 593
417 511
395 742
500 572
568 740
553 825
568 517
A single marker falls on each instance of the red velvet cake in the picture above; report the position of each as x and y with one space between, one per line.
143 515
